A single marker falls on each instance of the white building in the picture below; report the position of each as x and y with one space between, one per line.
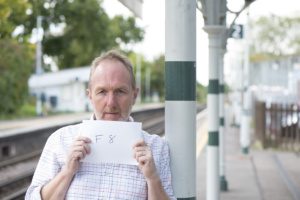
64 90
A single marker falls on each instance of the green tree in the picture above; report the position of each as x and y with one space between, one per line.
12 14
201 93
16 60
85 30
157 81
156 67
16 63
158 76
274 37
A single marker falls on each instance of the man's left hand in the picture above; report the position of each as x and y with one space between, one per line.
143 155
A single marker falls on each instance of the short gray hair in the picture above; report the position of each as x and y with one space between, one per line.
117 56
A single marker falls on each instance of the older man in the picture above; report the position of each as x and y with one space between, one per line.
61 175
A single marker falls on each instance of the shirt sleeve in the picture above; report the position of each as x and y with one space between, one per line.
165 171
46 169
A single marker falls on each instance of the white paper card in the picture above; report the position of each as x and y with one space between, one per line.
112 141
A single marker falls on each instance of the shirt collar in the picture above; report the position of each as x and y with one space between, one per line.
130 119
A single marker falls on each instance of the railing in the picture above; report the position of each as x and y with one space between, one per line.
278 125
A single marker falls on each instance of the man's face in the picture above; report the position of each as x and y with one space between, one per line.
111 92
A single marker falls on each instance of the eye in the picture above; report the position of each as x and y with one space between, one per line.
120 91
100 92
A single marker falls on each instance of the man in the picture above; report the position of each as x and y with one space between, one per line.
61 175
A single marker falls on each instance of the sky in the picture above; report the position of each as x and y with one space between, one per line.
153 21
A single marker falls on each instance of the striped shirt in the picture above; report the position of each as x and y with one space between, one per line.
101 180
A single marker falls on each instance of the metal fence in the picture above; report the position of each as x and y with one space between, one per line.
278 125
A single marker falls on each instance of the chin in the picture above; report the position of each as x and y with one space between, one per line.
113 118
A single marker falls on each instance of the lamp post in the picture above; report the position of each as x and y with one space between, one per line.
148 84
222 51
139 77
246 115
38 58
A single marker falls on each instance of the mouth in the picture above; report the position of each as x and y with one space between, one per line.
111 115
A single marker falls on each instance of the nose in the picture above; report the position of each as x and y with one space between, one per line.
111 99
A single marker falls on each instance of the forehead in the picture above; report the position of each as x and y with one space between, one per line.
111 72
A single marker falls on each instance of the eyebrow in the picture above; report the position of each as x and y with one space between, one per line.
122 87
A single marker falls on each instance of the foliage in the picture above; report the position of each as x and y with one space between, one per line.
16 63
156 74
82 31
201 93
157 68
227 88
274 37
157 77
85 30
12 14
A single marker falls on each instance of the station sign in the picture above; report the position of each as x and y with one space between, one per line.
237 31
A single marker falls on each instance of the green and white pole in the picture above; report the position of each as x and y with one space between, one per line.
223 181
212 160
180 105
246 114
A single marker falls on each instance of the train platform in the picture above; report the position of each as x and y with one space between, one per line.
259 175
8 127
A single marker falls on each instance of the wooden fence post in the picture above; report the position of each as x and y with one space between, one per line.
260 122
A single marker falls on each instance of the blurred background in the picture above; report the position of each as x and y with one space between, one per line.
47 47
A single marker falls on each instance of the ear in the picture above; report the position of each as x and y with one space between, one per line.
89 93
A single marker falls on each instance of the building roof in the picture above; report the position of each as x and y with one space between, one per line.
61 77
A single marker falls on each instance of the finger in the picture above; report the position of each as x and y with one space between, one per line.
139 142
139 154
79 149
137 149
145 149
76 156
84 139
145 153
142 159
81 144
88 149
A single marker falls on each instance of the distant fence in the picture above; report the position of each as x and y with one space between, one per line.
278 125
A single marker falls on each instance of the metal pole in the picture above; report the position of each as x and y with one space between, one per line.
38 69
212 167
138 77
246 115
222 51
180 105
148 84
38 57
214 13
223 181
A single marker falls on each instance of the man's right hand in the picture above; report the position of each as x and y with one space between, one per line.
79 149
57 188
